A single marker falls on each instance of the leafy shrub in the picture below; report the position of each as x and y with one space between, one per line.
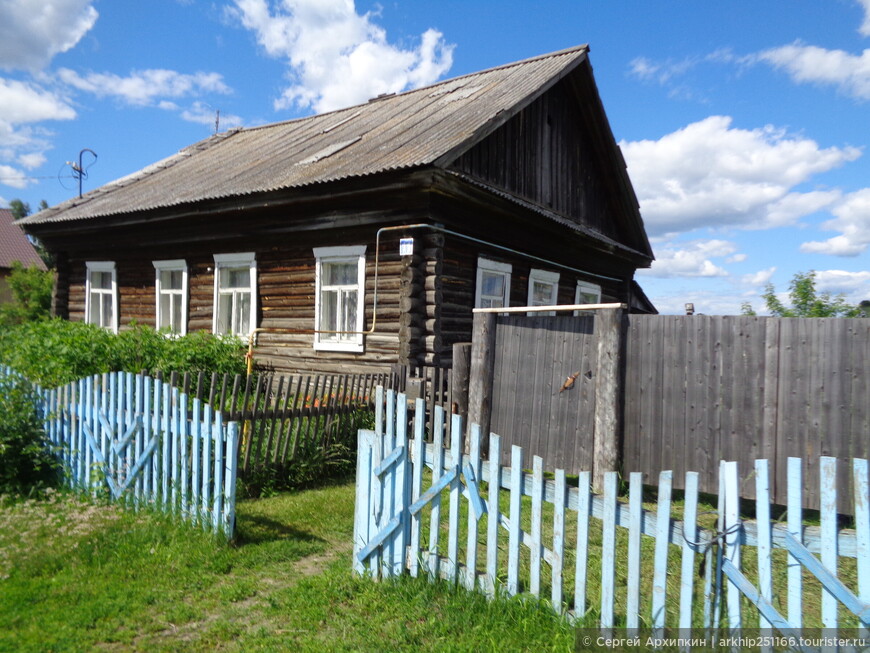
25 463
31 295
55 352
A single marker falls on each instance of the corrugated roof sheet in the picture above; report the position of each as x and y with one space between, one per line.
399 131
14 245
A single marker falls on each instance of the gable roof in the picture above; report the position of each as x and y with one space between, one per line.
14 245
430 126
391 132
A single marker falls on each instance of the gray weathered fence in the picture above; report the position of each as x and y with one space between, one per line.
280 415
699 389
692 390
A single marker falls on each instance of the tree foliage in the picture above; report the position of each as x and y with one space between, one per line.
807 301
31 295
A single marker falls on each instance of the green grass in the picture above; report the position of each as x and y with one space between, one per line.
75 575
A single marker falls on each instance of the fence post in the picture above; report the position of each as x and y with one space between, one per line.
481 381
460 376
605 457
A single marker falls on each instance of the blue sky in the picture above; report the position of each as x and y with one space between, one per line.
745 124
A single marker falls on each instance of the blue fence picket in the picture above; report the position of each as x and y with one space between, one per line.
861 484
136 437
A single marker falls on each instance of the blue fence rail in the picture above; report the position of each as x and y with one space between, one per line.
505 529
144 443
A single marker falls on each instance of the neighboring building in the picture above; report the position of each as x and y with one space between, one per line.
509 181
14 246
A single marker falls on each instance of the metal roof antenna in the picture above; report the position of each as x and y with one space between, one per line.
80 172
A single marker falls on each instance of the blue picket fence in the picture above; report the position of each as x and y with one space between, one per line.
145 443
642 568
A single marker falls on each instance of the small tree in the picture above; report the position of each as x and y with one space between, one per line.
807 301
31 295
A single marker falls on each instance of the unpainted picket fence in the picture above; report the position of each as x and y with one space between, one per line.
399 527
144 443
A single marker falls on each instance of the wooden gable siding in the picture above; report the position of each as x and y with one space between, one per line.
547 154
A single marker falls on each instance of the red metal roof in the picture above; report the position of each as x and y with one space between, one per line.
14 245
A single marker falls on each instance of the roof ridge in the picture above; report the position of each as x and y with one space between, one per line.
573 49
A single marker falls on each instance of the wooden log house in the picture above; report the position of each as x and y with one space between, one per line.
509 181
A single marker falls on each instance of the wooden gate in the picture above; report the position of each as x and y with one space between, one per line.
544 387
145 443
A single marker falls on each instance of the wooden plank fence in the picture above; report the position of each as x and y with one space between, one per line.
281 415
143 442
600 559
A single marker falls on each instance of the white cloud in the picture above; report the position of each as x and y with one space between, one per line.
865 26
711 174
811 64
144 87
21 102
21 142
854 285
853 221
32 160
758 279
691 259
204 114
33 31
338 57
13 177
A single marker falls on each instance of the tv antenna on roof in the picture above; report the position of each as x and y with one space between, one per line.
80 172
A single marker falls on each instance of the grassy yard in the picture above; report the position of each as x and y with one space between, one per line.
81 576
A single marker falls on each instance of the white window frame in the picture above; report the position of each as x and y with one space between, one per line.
341 254
101 266
584 287
493 267
543 276
236 260
172 265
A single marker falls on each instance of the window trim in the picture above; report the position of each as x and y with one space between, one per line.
171 265
543 276
343 253
101 266
589 288
496 267
235 260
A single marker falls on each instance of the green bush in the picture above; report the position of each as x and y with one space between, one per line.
25 463
55 352
31 295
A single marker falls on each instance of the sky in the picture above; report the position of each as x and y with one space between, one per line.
745 124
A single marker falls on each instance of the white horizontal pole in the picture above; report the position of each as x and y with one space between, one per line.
544 309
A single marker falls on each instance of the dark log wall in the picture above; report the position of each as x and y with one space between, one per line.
286 289
547 154
459 278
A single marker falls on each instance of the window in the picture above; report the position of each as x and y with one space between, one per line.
101 295
586 293
171 289
493 284
543 289
235 294
339 299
